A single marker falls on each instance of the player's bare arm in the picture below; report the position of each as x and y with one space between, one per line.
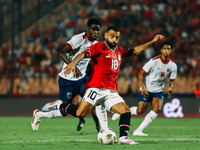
141 81
66 59
71 67
139 49
170 88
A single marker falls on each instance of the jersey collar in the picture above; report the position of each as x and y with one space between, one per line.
163 61
109 47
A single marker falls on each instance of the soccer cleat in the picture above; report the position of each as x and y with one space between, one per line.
127 141
115 116
139 133
80 125
36 121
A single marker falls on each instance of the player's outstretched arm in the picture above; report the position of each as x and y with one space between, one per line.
71 67
62 54
139 49
67 60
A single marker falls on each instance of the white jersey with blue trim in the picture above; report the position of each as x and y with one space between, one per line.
157 73
78 43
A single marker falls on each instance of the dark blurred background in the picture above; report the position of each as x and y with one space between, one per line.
32 32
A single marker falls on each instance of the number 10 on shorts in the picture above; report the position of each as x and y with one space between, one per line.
92 95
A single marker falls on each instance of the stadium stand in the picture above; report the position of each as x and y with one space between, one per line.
36 61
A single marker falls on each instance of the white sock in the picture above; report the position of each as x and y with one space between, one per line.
50 114
147 120
102 116
133 110
55 105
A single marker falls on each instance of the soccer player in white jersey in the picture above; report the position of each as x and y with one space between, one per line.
152 78
72 85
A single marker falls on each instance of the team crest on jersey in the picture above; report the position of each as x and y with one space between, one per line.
119 58
162 74
69 95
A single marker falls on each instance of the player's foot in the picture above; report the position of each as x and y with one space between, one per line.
127 141
80 125
115 116
36 121
139 133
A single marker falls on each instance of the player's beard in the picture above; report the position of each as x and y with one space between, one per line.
111 45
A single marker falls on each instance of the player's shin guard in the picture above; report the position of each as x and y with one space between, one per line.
124 124
68 109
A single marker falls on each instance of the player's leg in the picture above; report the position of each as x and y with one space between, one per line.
157 103
82 92
82 109
52 110
116 104
124 123
95 118
49 110
141 108
77 100
156 106
102 116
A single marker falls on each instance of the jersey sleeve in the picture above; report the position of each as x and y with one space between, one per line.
148 66
76 41
93 50
173 73
124 52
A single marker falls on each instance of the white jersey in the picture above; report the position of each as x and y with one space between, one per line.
157 73
78 43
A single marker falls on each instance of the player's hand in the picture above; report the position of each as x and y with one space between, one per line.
77 73
144 91
170 90
158 37
69 68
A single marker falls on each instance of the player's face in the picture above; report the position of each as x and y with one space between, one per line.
93 31
166 50
112 38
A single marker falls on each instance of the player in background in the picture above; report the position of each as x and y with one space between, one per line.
73 84
101 87
152 77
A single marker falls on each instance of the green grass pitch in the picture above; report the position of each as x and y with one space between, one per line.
60 134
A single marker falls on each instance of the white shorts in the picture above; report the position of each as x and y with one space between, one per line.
105 97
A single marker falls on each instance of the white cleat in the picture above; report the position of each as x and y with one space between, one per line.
36 121
139 133
115 116
127 141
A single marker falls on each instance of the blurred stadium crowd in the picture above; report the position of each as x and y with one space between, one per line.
36 62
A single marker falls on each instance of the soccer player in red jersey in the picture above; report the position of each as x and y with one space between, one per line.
101 87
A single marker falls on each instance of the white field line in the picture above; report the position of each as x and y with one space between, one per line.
86 140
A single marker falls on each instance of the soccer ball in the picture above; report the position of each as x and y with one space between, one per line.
107 136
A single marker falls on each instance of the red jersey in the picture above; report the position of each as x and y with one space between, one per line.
105 65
